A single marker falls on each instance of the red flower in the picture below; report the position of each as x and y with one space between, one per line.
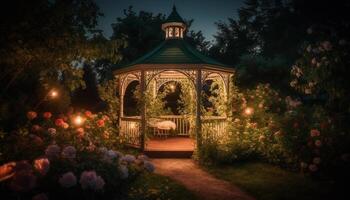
100 123
59 122
105 117
314 133
47 115
31 115
88 114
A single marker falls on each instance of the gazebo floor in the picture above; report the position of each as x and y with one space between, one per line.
172 147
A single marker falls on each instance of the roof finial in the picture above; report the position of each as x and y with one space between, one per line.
174 7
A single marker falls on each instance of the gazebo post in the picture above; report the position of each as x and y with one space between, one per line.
143 110
198 108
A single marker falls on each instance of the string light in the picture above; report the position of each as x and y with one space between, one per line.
53 93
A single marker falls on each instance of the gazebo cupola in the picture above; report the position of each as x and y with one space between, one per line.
174 26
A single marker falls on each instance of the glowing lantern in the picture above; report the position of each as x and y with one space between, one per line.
172 87
248 111
78 120
53 94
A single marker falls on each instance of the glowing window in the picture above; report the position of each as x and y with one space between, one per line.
171 32
177 32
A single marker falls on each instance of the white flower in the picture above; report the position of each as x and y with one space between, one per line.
148 166
69 152
90 180
52 151
68 180
124 172
52 131
128 158
42 165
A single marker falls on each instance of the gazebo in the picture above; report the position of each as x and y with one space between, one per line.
173 60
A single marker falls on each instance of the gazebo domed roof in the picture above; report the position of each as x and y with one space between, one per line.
174 17
174 50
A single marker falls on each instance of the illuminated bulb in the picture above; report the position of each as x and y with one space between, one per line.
53 94
248 111
132 125
172 87
78 120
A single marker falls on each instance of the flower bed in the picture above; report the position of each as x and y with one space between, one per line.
68 156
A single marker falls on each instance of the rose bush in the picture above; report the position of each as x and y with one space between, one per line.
74 159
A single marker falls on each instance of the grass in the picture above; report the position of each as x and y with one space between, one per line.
156 187
267 182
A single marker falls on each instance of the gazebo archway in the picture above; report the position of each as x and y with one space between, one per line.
173 60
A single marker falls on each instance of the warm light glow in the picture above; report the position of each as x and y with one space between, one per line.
78 120
248 111
172 87
132 125
53 93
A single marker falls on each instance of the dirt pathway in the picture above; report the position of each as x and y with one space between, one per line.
201 183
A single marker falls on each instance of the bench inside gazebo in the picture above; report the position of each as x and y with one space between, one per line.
173 61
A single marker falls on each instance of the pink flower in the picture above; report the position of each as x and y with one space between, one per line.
69 152
23 181
90 180
318 143
52 131
47 115
316 160
313 167
52 151
105 118
65 125
100 123
41 196
42 165
68 180
31 115
314 133
7 170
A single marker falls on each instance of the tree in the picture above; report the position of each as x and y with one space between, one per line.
142 32
42 47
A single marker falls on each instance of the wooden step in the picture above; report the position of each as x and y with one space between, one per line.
169 154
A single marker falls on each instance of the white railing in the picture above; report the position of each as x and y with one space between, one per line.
182 124
214 127
130 130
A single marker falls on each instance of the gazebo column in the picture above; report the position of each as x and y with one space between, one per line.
143 110
198 108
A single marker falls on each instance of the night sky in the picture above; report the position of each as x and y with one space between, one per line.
204 12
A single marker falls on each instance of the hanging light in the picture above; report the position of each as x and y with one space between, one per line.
172 87
248 111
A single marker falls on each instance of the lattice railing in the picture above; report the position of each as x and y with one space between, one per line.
214 128
130 132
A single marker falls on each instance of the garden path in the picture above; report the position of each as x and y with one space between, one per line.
201 183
